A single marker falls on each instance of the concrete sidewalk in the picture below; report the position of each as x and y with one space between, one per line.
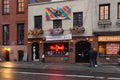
102 68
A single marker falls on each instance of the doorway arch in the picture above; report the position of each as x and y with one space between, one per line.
82 48
35 51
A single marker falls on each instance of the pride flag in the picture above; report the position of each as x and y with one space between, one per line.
59 13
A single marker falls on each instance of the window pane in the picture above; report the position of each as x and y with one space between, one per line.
20 30
20 6
57 24
6 6
104 11
77 19
118 11
38 22
5 34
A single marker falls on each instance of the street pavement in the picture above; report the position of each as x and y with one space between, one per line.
82 67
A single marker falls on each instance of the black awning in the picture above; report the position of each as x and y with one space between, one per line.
106 33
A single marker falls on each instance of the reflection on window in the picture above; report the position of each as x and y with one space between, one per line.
20 6
119 11
20 33
5 34
38 22
104 12
6 6
77 19
56 49
57 23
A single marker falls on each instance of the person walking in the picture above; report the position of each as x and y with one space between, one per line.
96 55
91 58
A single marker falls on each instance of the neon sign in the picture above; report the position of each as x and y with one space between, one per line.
57 47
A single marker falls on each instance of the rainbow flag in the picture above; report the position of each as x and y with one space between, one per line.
59 13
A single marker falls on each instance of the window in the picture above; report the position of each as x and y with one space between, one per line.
57 23
78 19
104 12
118 10
38 22
20 6
56 49
6 8
20 33
5 34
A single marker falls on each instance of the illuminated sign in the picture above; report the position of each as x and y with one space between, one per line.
108 38
57 47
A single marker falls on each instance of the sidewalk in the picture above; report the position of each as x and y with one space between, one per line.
102 68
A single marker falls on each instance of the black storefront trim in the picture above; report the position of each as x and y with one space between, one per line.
107 33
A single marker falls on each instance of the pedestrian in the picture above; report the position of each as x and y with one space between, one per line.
91 58
96 55
43 58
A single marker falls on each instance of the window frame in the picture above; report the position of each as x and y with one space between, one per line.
20 41
38 22
77 19
57 23
19 2
118 11
7 7
6 36
104 15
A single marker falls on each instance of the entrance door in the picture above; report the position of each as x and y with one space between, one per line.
35 51
7 56
82 49
20 55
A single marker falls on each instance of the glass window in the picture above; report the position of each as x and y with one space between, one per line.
118 10
104 12
6 8
20 6
77 19
20 33
57 23
56 49
38 22
5 34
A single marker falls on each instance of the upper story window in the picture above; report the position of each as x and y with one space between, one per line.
20 33
77 19
20 6
5 34
57 23
104 12
6 8
118 10
38 22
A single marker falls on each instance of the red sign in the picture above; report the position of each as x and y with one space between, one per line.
57 47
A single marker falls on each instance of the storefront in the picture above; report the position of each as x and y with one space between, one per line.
62 31
70 49
108 48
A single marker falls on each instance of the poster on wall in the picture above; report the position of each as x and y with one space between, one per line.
112 48
63 12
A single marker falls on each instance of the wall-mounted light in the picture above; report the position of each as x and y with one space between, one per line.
87 38
71 40
6 49
41 41
28 42
91 39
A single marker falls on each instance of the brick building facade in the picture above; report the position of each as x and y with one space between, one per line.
13 29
